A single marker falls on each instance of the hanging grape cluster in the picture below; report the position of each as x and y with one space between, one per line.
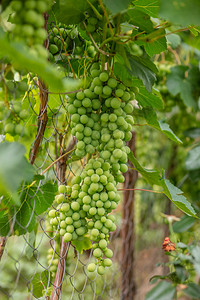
67 39
12 112
101 120
28 23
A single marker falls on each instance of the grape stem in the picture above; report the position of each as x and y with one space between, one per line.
94 43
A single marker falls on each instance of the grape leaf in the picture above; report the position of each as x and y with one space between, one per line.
151 118
4 223
116 6
42 198
70 12
173 40
81 244
192 161
141 68
14 168
178 84
183 12
139 19
175 195
192 290
146 99
153 177
163 290
184 224
39 283
150 7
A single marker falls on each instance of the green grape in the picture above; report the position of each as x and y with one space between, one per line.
91 267
112 83
97 253
100 270
67 237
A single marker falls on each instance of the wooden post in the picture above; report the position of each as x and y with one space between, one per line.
128 286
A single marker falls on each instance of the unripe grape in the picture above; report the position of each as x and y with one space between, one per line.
108 253
67 237
107 262
91 267
100 270
97 252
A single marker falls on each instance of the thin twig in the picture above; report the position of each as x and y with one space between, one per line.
55 161
43 118
175 54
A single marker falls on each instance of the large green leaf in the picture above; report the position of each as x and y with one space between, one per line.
140 69
140 19
83 243
153 177
116 6
192 290
173 40
156 47
146 99
39 283
70 12
150 7
177 83
192 161
4 223
14 168
184 224
151 118
175 195
162 291
154 42
42 198
183 12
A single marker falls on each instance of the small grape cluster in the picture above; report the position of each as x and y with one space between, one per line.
67 38
99 196
68 214
93 22
60 37
13 115
29 22
86 206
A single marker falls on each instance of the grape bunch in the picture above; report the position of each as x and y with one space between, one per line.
13 116
61 37
93 22
85 207
99 197
28 23
68 214
67 38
